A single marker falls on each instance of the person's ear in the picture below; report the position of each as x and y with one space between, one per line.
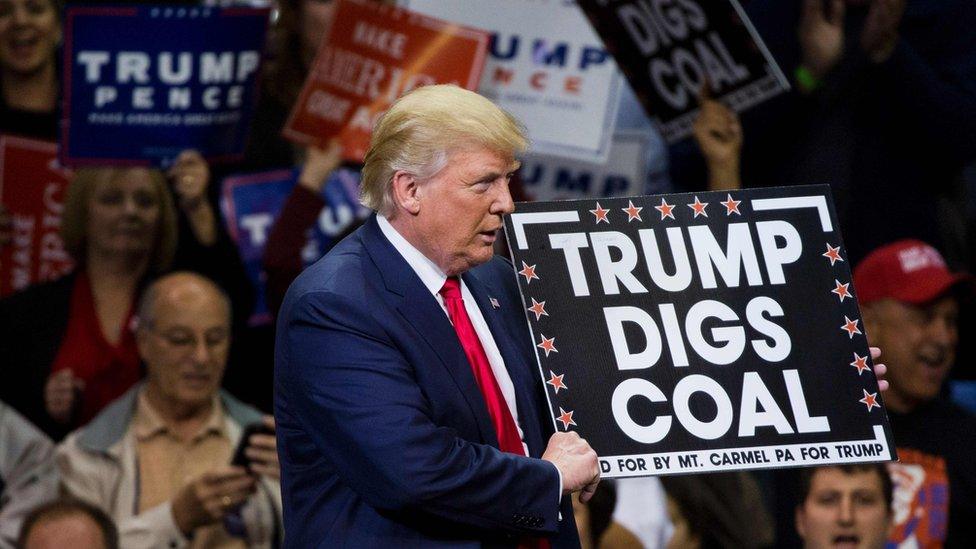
406 192
871 320
142 341
800 520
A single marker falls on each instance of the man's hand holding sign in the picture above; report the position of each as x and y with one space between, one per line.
727 335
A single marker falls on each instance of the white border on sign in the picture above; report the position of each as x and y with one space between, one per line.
807 454
817 201
762 45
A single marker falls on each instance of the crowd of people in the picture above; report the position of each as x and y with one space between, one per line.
136 400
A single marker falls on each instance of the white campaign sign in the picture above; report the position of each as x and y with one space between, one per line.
547 67
546 177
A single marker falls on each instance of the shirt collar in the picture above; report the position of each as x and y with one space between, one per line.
148 423
430 274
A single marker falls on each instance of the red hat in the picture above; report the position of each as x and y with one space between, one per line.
910 271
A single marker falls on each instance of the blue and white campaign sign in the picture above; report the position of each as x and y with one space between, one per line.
624 173
547 67
637 163
251 203
142 83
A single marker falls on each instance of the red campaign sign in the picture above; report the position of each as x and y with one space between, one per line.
32 188
373 54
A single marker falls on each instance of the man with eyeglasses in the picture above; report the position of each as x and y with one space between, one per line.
158 459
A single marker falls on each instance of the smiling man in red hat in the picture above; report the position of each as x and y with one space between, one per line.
910 304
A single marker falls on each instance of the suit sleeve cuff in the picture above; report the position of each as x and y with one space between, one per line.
559 494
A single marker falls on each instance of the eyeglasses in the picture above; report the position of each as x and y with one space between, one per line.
184 340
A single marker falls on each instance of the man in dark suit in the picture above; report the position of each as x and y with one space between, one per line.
410 411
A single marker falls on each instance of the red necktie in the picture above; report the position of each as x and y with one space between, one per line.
501 417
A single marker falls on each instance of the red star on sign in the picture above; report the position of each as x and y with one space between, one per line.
850 326
633 212
699 207
665 209
539 308
556 382
547 344
870 400
860 362
841 290
833 254
601 214
566 418
731 206
529 273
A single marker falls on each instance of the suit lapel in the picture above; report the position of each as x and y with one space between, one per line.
519 370
423 313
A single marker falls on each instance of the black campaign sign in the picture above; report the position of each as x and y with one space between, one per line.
700 332
670 49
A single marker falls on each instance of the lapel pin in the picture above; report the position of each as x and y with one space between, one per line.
494 302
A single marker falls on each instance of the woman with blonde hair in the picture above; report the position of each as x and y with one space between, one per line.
68 346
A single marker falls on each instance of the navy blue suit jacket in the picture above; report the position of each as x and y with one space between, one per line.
383 435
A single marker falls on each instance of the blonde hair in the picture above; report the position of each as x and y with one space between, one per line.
420 131
74 220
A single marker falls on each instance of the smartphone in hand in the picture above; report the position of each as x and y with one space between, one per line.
240 458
